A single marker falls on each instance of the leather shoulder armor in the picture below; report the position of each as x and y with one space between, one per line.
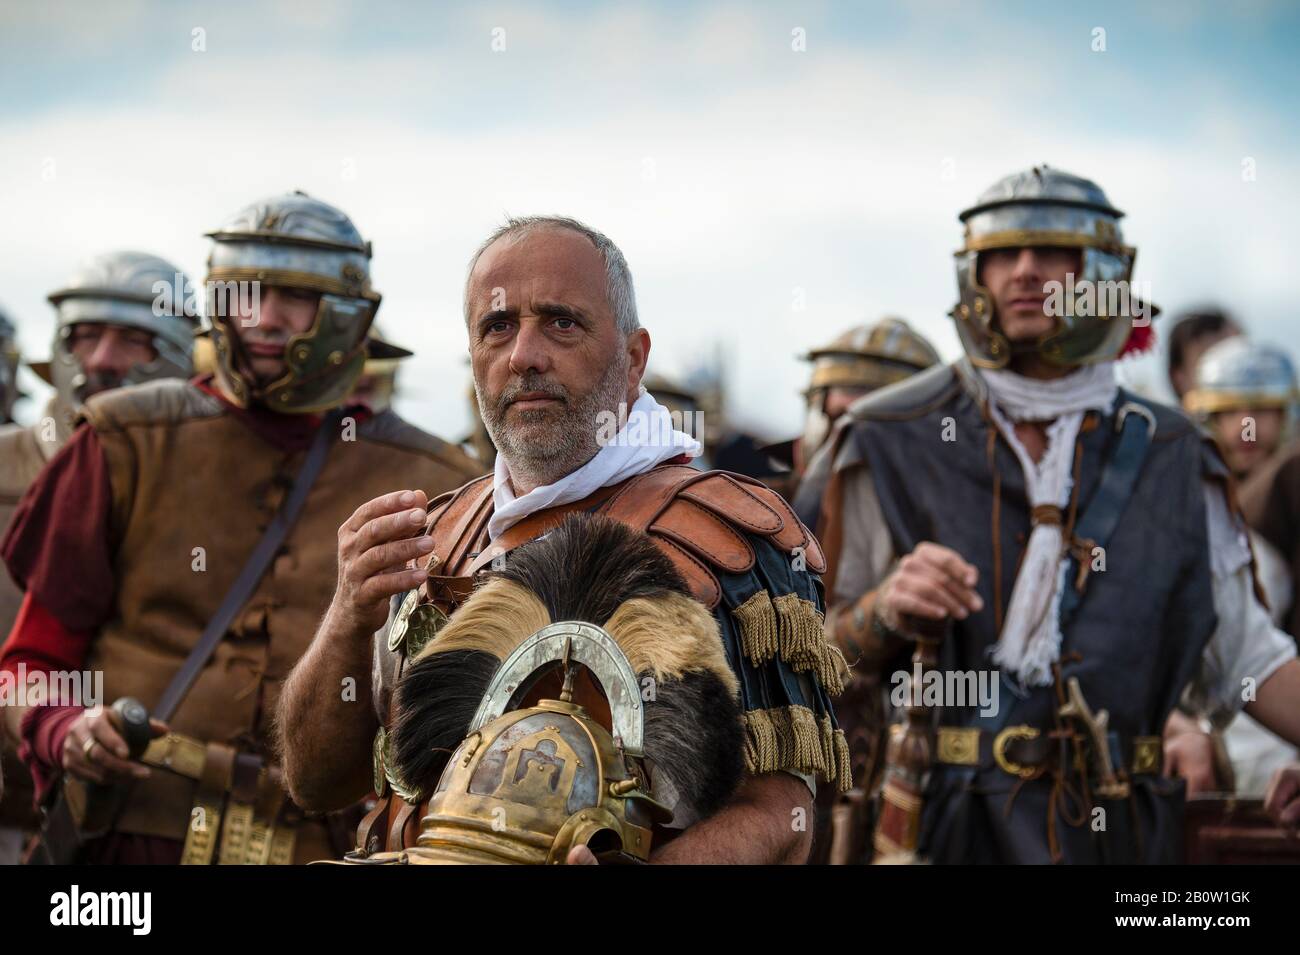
168 400
704 522
908 398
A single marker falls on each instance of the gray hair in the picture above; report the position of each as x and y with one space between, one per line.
618 277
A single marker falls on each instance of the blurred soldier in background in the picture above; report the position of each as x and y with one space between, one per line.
1245 394
183 544
377 386
853 364
1190 335
9 361
107 334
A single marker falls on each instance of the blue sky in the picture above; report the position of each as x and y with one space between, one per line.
739 175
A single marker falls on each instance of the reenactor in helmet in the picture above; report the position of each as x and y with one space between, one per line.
183 545
1019 522
107 334
1246 394
853 364
1190 334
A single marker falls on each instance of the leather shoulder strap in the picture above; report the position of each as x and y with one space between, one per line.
456 520
1136 426
166 401
252 570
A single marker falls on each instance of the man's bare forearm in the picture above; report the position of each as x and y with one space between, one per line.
1277 702
760 826
326 721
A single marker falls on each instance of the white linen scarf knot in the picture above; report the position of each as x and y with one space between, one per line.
1030 641
647 438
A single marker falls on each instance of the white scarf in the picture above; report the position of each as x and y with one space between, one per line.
645 439
1030 641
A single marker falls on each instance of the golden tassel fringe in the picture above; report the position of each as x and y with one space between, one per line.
758 628
804 644
794 738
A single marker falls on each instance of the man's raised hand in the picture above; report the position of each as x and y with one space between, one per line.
375 545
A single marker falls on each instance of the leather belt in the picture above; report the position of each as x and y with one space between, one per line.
179 754
239 796
1021 750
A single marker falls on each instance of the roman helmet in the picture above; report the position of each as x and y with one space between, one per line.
1239 374
134 290
1047 207
294 241
579 697
865 357
9 360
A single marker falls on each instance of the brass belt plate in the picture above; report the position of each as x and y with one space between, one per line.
959 745
1146 754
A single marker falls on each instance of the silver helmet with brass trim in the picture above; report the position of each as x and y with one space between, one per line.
294 241
864 358
129 289
871 356
579 697
1047 207
1237 374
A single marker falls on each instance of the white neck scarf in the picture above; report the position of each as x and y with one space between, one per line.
645 440
1030 641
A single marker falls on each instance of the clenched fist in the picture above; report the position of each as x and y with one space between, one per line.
95 751
375 545
930 583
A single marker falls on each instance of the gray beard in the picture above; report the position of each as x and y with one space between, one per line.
537 456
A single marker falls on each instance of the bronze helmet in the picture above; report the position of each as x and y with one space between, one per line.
580 696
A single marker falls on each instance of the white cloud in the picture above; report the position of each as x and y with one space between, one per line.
729 168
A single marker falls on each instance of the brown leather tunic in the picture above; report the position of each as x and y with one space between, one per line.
193 489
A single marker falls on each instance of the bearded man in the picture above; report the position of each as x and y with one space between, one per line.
558 355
